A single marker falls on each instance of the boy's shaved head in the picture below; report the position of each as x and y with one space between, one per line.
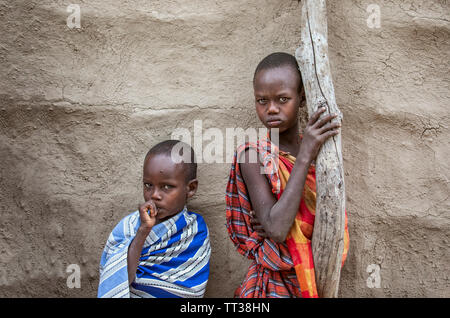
279 59
166 148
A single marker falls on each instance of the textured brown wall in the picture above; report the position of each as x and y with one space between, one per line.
79 108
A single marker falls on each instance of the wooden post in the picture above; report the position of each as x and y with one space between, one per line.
329 226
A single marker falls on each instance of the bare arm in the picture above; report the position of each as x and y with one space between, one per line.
276 217
135 248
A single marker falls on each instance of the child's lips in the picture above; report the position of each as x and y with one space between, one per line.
274 122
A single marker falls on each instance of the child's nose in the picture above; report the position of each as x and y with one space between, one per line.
156 195
273 108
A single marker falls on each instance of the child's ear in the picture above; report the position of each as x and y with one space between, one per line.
302 96
192 188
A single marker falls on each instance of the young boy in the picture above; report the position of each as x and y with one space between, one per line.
270 216
161 250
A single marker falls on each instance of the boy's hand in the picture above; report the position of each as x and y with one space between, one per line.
147 213
317 131
257 227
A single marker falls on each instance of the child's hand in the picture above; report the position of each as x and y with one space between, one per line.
317 131
257 227
147 213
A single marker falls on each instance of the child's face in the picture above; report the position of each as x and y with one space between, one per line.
166 185
277 97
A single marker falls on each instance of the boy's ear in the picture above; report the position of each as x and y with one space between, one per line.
192 188
302 96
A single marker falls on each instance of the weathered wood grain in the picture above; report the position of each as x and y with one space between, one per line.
329 227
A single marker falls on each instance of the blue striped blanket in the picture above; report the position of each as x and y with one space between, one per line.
174 260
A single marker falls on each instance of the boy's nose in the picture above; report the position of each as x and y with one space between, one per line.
273 108
156 195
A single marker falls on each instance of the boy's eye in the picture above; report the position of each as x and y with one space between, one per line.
261 101
147 185
283 99
167 187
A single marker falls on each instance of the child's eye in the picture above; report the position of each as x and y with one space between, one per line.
261 101
147 185
167 187
283 99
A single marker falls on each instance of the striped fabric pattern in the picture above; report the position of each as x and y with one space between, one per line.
300 234
278 270
174 260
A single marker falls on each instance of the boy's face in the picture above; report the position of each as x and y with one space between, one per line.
277 97
166 185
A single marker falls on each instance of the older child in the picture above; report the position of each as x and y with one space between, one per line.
278 238
161 250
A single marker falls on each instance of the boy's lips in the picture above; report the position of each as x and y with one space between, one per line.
274 122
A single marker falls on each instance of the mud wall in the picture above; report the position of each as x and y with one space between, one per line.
79 108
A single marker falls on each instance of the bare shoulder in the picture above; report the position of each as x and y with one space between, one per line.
248 155
250 167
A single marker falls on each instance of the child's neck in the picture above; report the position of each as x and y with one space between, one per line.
290 140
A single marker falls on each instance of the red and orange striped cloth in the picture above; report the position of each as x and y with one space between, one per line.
278 270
